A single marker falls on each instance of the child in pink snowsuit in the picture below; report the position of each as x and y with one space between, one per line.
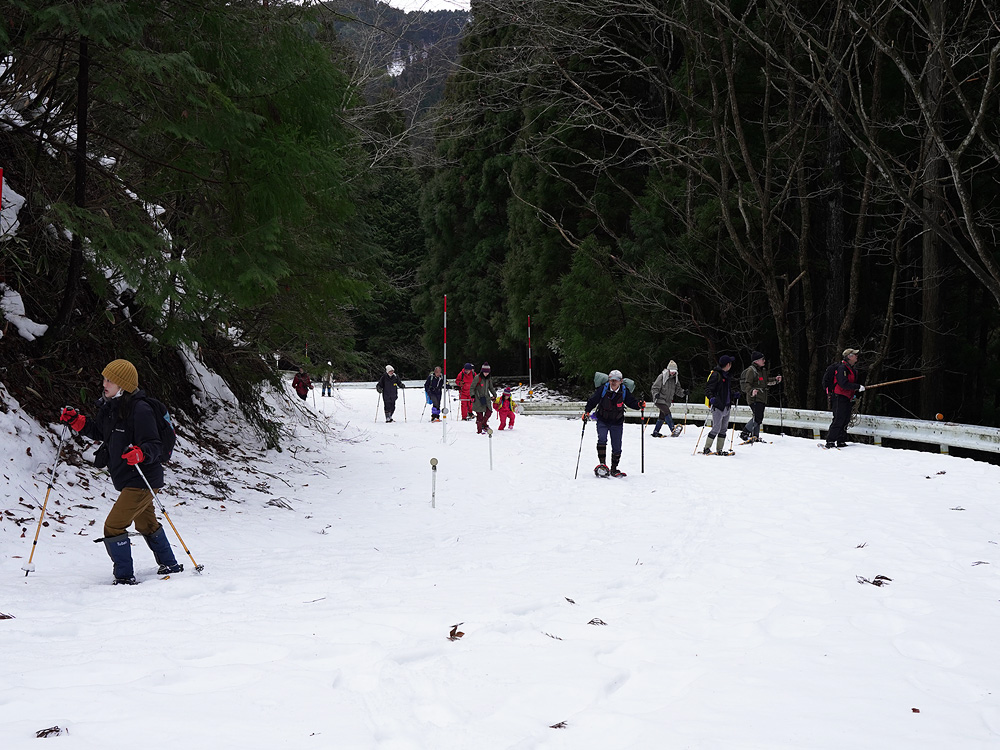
505 407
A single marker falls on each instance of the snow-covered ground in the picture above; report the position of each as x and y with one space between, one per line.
709 603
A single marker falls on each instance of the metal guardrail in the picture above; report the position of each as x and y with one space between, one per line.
944 434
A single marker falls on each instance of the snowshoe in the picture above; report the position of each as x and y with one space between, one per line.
616 472
827 446
165 570
724 453
841 444
676 431
656 435
130 581
602 471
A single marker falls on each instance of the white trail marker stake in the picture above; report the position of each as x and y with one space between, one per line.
434 473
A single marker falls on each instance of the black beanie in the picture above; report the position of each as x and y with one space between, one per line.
754 356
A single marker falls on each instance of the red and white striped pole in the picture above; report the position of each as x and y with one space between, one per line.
529 354
447 397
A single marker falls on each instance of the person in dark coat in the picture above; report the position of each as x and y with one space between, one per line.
608 403
433 387
482 394
388 386
720 396
845 389
754 383
126 426
302 383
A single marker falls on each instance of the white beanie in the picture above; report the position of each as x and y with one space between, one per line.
388 369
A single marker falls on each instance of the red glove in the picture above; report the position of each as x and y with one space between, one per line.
585 416
73 418
642 404
133 455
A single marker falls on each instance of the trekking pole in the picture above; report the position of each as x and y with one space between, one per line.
893 382
197 568
489 434
377 402
698 441
579 452
403 389
29 566
684 428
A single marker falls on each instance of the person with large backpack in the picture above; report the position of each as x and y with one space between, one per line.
128 425
829 381
665 389
610 400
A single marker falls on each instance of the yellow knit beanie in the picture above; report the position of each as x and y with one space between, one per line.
122 373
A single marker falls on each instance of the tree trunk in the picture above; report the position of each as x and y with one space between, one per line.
75 269
934 171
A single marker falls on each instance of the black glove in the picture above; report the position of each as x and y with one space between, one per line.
711 402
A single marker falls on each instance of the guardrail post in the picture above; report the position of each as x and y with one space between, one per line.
816 434
944 449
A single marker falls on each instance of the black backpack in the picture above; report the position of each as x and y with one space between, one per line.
830 379
164 425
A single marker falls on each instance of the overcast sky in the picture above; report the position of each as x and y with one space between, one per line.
429 4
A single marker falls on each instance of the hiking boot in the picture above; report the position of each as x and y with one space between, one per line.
165 570
616 472
841 444
745 436
130 581
708 450
656 434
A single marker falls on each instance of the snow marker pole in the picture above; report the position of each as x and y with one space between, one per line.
444 372
529 352
197 568
580 451
642 440
732 440
29 566
781 411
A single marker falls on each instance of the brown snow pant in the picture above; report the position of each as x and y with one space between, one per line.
133 504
